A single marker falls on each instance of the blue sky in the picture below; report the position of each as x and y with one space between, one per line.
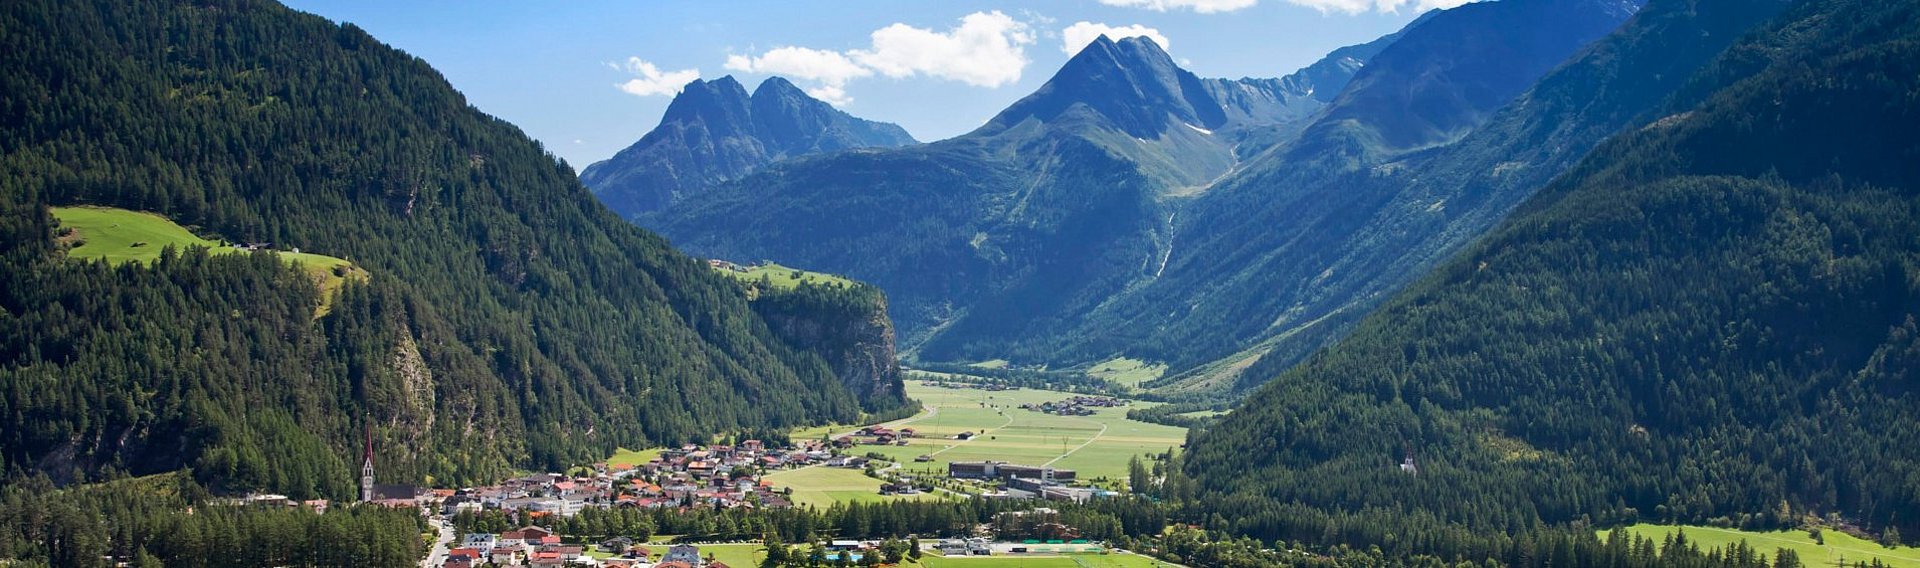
939 69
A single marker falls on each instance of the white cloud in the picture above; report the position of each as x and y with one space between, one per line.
1201 6
649 80
1078 35
987 49
1324 6
828 67
1385 6
835 95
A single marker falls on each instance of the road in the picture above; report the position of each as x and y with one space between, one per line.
1095 438
439 554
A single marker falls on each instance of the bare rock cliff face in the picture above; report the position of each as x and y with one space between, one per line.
849 328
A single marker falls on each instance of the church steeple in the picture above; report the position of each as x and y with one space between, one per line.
366 469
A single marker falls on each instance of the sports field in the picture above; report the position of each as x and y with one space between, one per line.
1096 446
1839 546
1061 561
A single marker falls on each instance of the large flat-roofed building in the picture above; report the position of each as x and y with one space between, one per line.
1007 471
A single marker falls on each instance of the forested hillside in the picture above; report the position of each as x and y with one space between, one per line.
1399 219
507 320
1711 319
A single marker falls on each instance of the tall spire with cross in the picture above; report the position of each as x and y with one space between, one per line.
366 469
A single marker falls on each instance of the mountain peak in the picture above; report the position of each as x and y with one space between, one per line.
1131 83
714 131
721 101
777 85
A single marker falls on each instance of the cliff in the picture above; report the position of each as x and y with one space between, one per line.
845 324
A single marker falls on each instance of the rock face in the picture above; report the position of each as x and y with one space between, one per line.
848 327
714 132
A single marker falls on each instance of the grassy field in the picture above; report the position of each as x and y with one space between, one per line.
821 486
1095 446
1839 545
1129 372
1203 413
990 364
119 236
625 456
783 278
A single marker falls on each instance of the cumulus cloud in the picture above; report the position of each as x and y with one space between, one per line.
1324 6
1201 6
835 95
1078 35
828 67
649 80
987 49
1362 6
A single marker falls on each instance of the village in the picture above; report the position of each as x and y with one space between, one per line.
772 474
1075 406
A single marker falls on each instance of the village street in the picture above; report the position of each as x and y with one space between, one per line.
443 537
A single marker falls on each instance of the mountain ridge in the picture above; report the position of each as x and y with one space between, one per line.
715 131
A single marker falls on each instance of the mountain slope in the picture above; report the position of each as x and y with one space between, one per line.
713 131
1710 319
507 320
1302 235
1053 206
1397 219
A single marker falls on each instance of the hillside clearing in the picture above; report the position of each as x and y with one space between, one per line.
1839 546
783 277
119 236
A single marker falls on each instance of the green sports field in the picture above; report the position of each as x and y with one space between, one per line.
1061 561
1838 545
1094 446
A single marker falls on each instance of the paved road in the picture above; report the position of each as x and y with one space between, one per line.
1095 438
439 554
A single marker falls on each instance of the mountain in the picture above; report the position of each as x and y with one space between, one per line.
1313 246
1052 206
1270 257
506 321
1710 319
713 132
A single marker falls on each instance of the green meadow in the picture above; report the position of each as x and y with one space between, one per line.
119 236
1094 446
785 278
1128 372
821 486
1839 546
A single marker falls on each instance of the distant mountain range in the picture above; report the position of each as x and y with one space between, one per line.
715 132
1131 208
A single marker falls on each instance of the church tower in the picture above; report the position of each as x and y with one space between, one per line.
366 470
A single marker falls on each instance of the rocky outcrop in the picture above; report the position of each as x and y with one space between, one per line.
848 327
